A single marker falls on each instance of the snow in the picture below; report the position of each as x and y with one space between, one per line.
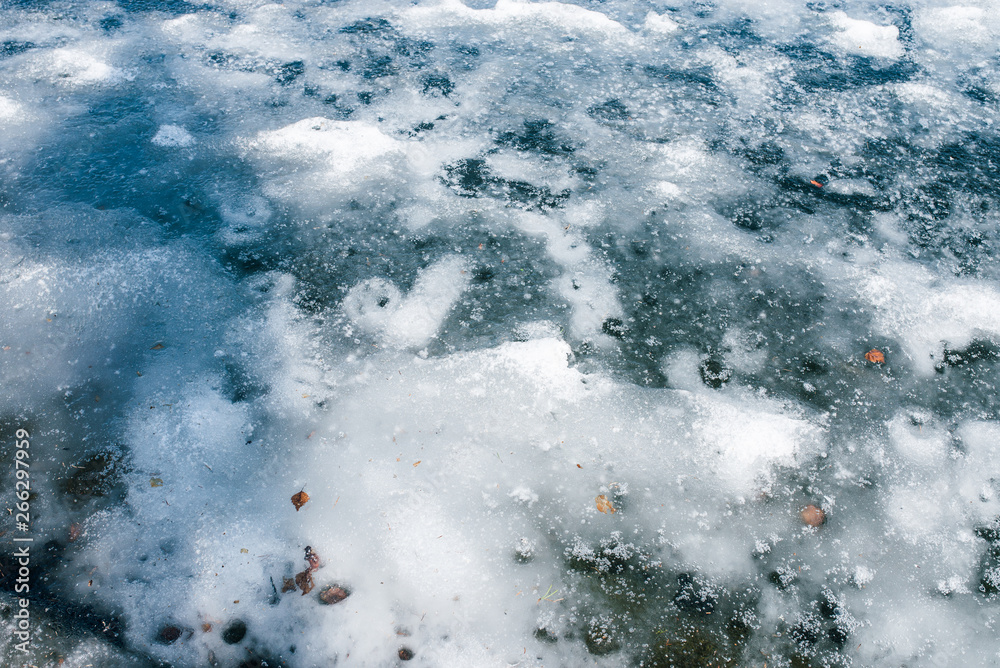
865 38
458 270
172 136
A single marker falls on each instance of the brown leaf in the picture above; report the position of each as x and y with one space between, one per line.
287 585
206 627
299 500
156 482
417 463
813 516
158 346
74 531
305 581
604 505
875 356
333 594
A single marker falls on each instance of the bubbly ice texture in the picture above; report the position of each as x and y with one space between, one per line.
458 270
172 135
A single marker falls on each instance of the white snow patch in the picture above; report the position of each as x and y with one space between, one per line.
859 37
927 313
10 110
340 147
78 67
961 26
377 306
660 24
173 136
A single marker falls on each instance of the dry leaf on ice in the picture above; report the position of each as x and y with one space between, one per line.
305 581
333 594
604 505
299 500
813 515
875 356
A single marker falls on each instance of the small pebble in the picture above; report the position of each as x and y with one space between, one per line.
405 653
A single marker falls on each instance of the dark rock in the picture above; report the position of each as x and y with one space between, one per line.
234 632
168 635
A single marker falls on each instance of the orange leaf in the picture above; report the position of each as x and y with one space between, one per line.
604 505
299 500
875 356
417 463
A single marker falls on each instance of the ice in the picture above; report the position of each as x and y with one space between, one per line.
246 219
10 110
978 483
961 26
79 68
558 312
342 145
918 441
377 306
170 136
769 436
660 23
928 316
558 17
865 38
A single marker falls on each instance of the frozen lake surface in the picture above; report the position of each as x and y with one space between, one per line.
558 313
